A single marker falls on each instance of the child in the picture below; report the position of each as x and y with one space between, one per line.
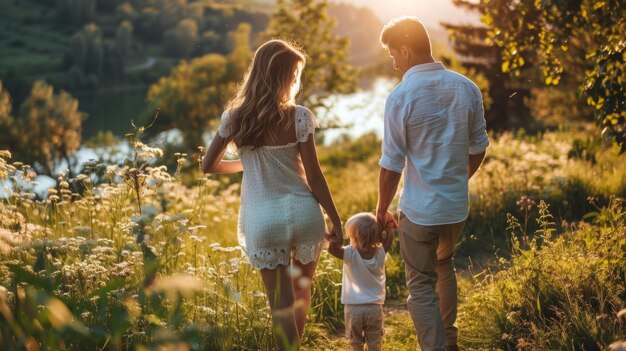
363 282
280 220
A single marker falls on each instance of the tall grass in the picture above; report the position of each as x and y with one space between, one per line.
129 257
560 293
524 169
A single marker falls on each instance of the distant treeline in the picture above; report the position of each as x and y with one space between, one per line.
120 42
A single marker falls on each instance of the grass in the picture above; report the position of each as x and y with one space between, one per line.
554 293
128 257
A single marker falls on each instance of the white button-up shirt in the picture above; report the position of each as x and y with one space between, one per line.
434 119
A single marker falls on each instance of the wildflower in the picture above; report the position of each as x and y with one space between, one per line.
258 294
183 284
236 296
525 203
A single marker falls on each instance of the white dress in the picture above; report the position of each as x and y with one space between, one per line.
279 218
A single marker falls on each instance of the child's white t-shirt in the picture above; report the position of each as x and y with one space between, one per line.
363 280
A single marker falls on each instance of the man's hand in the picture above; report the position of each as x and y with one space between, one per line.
385 220
387 223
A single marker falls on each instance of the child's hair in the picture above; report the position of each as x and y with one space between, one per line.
363 229
263 99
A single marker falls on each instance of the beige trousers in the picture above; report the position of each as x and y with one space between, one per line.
364 324
431 280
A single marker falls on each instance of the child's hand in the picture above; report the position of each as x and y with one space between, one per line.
335 236
328 236
390 227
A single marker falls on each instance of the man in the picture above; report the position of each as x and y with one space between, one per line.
435 134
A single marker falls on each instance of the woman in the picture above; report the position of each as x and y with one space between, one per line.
280 220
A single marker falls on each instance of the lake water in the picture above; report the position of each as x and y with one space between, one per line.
360 112
112 110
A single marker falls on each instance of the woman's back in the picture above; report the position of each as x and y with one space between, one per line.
277 205
275 170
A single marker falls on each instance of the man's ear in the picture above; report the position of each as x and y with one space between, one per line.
405 51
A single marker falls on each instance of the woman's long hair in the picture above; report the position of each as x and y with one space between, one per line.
264 98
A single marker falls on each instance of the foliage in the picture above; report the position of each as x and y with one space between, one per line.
194 93
554 31
124 37
557 167
181 40
554 293
153 18
327 71
124 264
46 130
76 11
6 120
468 42
88 50
125 256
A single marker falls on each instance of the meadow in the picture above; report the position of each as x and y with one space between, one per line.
139 256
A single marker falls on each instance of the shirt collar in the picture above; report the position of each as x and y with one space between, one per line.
431 66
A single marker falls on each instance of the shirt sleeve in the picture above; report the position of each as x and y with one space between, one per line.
306 122
348 256
382 255
224 129
394 146
478 138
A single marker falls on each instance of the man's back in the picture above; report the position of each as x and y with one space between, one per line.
433 120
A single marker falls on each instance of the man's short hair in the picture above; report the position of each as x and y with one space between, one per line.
408 31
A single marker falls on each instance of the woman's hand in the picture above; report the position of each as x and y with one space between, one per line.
336 235
212 161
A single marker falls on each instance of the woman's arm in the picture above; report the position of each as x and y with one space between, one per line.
317 183
212 161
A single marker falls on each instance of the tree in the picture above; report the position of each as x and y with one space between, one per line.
587 35
477 53
76 11
47 130
124 37
155 17
181 40
241 54
327 71
192 95
6 118
88 49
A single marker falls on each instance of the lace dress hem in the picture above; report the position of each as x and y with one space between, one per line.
270 258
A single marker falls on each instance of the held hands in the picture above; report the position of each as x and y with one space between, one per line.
335 236
387 223
390 226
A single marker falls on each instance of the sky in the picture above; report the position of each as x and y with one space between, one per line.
431 12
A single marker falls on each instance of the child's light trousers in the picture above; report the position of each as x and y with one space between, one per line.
364 324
